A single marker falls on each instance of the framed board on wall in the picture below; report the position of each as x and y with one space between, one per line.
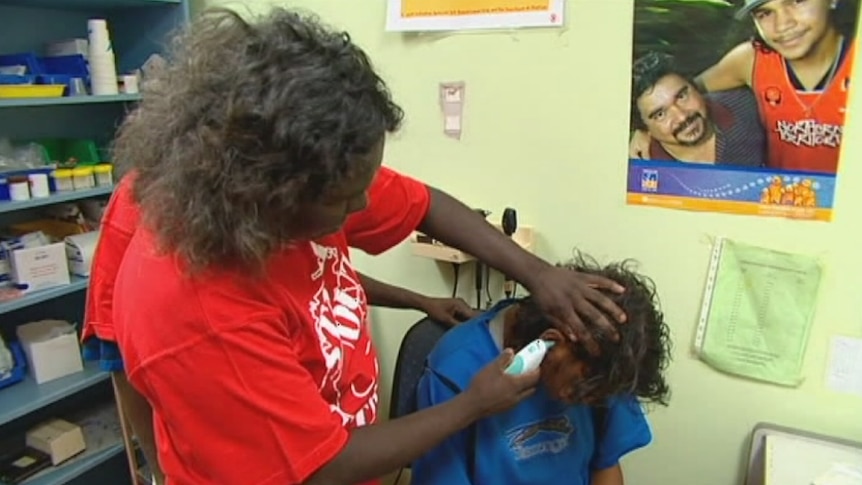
455 15
786 456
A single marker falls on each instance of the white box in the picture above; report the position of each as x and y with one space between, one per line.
40 267
29 240
60 439
68 47
79 251
52 349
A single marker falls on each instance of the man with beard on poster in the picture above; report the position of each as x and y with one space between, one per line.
798 65
686 126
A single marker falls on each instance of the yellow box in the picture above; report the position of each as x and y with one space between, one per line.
32 90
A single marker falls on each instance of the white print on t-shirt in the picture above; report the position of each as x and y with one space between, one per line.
547 436
339 312
323 254
810 133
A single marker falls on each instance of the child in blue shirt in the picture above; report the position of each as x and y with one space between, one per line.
584 417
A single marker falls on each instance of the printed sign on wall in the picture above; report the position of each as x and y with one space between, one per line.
433 15
739 107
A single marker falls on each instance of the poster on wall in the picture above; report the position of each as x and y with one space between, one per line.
436 15
739 106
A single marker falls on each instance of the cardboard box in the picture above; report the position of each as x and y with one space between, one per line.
80 249
68 47
40 267
7 245
52 349
60 439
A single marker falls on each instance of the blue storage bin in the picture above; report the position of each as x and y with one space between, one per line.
16 79
4 188
20 368
27 59
73 66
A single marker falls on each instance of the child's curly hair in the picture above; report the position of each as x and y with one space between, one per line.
635 364
248 121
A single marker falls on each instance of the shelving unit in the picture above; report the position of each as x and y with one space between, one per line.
35 102
77 466
101 429
29 396
139 28
55 198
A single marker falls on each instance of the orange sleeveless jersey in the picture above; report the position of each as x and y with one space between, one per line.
804 129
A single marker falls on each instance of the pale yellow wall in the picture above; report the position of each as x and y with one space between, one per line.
545 132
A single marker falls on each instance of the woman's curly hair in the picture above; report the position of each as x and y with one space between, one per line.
635 364
248 121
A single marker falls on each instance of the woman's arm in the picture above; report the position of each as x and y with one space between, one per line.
386 295
375 450
568 298
257 402
734 70
608 476
449 311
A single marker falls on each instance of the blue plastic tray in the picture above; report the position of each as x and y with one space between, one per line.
20 369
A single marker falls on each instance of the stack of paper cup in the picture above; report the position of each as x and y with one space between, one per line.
103 68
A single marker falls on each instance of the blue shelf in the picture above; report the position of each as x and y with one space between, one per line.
139 29
79 465
88 4
104 440
67 100
26 396
39 296
55 198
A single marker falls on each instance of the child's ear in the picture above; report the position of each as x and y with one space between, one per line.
553 335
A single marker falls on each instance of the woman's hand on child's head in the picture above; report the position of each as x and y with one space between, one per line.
493 391
571 298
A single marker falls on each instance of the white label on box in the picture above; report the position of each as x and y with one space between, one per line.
41 267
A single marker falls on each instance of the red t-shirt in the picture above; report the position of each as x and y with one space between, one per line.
119 222
257 381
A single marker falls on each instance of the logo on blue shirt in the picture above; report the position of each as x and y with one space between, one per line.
548 436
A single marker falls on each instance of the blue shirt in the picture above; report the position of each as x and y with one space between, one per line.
540 441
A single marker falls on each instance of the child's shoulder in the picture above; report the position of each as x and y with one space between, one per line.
460 342
627 403
462 351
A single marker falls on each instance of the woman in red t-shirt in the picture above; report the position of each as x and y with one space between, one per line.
120 220
257 166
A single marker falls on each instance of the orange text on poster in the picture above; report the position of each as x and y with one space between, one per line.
731 207
448 8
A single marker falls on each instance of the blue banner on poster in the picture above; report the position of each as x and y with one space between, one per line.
752 191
